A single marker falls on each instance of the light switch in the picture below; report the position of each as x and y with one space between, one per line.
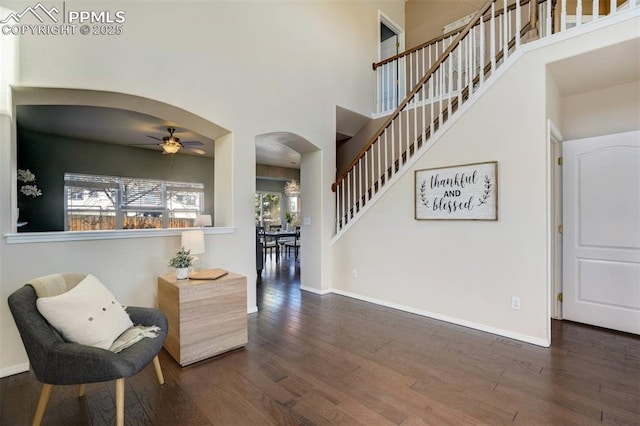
306 221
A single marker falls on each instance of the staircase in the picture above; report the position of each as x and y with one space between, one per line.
443 75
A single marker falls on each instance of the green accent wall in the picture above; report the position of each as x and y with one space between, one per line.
49 157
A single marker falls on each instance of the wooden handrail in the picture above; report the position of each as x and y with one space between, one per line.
444 36
415 90
413 49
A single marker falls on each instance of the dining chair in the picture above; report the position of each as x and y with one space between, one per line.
295 243
268 244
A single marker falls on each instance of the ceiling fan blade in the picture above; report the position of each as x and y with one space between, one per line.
196 150
191 143
144 144
153 137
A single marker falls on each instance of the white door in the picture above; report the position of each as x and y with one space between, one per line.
601 256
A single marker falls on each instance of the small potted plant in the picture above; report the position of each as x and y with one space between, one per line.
181 262
288 217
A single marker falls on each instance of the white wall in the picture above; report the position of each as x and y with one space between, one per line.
467 271
251 67
9 66
601 112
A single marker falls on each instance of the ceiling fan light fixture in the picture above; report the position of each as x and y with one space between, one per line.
171 147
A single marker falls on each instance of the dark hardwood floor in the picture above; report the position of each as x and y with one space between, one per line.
316 360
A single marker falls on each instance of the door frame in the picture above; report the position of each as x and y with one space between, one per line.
399 31
554 219
384 19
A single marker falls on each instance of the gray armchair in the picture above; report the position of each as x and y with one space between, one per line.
55 361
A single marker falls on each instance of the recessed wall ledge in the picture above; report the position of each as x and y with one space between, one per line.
47 237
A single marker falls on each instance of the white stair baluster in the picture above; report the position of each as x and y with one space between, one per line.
432 103
415 118
337 209
466 66
382 88
458 52
410 85
518 23
359 185
549 23
407 112
500 32
384 93
493 37
482 50
395 84
380 146
431 54
393 154
472 50
400 133
439 85
383 172
424 113
348 203
579 14
505 29
367 184
418 75
595 11
354 198
378 90
356 188
424 62
343 210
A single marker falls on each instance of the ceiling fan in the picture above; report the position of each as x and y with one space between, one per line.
172 144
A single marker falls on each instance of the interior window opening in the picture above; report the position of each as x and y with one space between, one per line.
108 202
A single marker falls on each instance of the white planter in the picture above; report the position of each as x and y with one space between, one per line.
182 273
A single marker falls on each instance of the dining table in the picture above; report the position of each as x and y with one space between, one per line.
277 236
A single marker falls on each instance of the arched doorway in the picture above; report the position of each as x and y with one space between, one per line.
280 157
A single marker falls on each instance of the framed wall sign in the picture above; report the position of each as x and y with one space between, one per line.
466 192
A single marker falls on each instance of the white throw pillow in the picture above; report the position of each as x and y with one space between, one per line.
88 314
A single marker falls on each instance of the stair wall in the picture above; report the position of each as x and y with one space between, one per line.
466 272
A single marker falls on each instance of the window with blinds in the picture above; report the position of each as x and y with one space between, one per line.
108 202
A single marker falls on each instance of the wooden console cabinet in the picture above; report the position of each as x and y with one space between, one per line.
206 317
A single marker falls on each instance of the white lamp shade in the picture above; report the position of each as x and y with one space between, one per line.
203 220
194 241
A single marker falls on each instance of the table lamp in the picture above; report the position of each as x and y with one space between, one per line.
203 220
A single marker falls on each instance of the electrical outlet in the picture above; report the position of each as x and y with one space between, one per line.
354 273
515 303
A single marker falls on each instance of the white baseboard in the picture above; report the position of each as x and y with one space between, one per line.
481 327
315 290
252 310
14 369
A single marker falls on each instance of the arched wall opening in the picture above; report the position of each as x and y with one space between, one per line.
221 137
286 150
